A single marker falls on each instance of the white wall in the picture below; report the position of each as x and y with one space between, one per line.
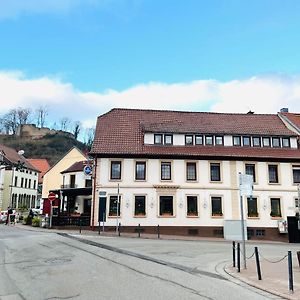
203 188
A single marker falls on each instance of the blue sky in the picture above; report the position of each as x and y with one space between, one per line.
191 55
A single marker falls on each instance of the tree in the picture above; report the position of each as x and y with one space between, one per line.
41 114
89 137
64 123
23 115
76 129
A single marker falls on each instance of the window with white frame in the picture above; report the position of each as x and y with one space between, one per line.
256 141
158 139
219 140
168 139
216 206
189 139
191 171
140 205
192 205
252 207
273 174
165 171
250 170
140 170
266 142
209 140
215 172
296 174
236 140
275 208
199 139
115 170
276 142
286 142
114 206
246 141
166 206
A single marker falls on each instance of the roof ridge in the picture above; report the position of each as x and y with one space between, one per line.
183 111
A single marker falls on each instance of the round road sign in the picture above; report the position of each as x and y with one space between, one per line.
52 196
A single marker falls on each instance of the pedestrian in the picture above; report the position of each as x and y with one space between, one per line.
9 212
30 216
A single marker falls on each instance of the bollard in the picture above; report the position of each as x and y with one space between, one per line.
80 225
238 258
298 256
99 227
139 230
257 263
290 267
233 254
158 232
119 229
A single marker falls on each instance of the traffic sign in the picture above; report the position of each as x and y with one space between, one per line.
87 170
52 196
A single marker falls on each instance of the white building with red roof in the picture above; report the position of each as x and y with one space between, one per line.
180 170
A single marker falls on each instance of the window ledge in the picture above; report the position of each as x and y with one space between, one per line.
192 217
274 183
166 216
140 216
113 217
276 218
217 217
254 218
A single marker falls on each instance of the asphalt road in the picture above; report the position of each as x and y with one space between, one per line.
46 265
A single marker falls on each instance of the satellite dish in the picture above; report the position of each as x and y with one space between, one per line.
21 152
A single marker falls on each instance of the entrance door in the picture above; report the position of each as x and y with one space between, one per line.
87 204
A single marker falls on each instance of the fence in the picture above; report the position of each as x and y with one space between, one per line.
236 262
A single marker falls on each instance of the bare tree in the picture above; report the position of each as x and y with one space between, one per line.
89 137
23 115
64 123
41 114
10 121
76 129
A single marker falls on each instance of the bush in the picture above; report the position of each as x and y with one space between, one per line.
36 222
26 220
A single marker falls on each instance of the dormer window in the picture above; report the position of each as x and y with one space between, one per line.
256 141
236 141
266 142
158 139
276 142
286 142
246 141
219 140
189 139
209 140
168 139
199 139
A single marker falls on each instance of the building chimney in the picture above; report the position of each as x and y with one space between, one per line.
284 110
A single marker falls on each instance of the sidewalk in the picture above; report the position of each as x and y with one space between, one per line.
274 275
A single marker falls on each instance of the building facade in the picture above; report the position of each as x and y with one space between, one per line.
19 181
180 170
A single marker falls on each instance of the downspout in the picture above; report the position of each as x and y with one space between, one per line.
94 191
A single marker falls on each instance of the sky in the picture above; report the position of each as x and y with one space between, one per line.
81 58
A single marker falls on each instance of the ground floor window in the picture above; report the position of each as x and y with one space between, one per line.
166 206
140 206
252 207
216 206
114 206
275 207
192 205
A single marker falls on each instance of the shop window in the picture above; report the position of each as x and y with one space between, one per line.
114 206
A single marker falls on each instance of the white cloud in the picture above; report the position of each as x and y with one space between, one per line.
261 94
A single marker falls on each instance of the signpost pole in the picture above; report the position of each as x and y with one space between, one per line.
51 212
243 232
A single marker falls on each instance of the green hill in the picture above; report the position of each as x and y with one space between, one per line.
51 147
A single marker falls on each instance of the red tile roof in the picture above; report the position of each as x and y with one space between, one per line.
13 157
76 167
121 131
294 118
42 165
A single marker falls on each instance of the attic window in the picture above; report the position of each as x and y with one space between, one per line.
158 139
286 142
